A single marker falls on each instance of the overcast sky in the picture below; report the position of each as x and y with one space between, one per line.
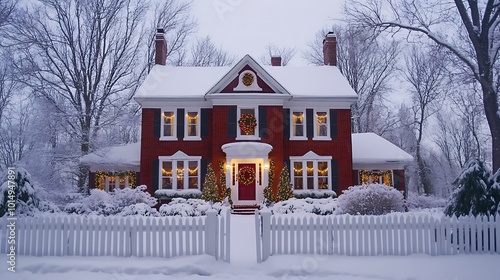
243 26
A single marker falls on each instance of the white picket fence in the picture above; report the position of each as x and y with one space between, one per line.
371 236
121 236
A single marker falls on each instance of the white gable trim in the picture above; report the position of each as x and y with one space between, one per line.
233 73
312 156
179 155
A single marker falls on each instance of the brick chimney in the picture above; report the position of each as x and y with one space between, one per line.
160 47
276 60
330 49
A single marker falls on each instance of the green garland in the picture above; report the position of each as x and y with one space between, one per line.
247 123
246 171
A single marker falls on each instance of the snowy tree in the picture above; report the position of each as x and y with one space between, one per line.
7 8
368 63
26 199
426 73
469 30
475 192
205 53
286 54
82 57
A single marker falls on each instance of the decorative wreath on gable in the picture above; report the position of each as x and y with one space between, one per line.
246 175
247 123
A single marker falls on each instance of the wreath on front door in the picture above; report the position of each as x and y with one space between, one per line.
246 175
247 123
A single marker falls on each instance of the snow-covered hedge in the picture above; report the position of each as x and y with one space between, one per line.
100 202
187 194
319 206
189 207
370 199
314 194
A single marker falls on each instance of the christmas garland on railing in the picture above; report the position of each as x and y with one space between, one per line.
247 123
246 175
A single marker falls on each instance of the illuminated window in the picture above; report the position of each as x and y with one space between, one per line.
311 172
110 181
298 125
192 125
380 177
180 173
321 128
168 125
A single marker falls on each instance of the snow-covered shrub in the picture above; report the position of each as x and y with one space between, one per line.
323 206
186 194
141 209
416 201
100 202
370 199
24 193
189 207
128 196
476 192
314 194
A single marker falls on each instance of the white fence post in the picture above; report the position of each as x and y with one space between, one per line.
258 236
266 234
210 232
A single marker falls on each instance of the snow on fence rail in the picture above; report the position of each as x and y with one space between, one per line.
121 236
371 236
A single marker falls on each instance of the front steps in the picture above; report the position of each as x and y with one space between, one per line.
245 209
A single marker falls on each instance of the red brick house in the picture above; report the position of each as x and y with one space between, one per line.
246 115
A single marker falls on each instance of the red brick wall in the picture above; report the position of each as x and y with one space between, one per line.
152 147
340 148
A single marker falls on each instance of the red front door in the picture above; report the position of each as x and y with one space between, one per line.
246 181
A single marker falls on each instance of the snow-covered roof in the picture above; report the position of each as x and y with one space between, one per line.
115 158
195 82
370 151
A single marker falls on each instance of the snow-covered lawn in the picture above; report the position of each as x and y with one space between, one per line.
243 265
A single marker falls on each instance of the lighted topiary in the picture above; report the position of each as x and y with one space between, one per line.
269 196
285 191
210 189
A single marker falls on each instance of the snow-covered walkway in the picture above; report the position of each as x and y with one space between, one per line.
243 247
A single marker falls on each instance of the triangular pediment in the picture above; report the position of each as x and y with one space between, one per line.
247 77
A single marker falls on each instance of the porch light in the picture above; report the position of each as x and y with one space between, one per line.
266 166
228 166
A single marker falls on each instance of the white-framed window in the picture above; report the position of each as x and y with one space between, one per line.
192 124
168 124
321 125
111 182
249 132
298 129
311 172
179 172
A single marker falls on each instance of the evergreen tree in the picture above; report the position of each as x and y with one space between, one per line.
210 189
473 192
26 200
285 186
226 191
269 196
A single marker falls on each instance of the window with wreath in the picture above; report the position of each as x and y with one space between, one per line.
168 124
179 174
321 125
298 127
192 125
247 122
311 172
